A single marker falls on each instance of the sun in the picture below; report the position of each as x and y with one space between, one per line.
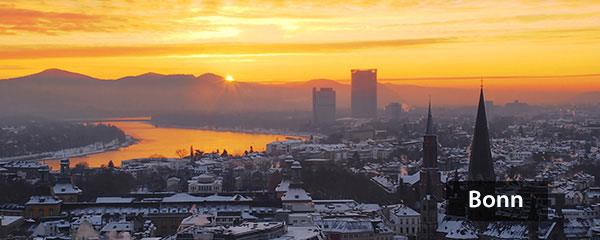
229 79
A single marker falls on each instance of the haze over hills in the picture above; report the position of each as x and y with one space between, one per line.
59 93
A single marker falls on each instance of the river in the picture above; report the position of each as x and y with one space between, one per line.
165 141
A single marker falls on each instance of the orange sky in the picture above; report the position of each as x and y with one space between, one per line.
276 40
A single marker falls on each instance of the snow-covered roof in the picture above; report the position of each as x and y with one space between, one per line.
65 188
95 220
296 194
368 207
403 210
516 230
196 220
411 179
39 200
301 233
114 200
118 227
8 220
345 225
184 197
457 228
283 186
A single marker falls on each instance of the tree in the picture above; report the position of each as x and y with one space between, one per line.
157 156
228 181
224 154
111 165
105 183
16 190
199 153
355 160
521 131
182 153
81 166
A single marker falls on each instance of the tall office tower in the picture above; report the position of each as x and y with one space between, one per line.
323 106
364 93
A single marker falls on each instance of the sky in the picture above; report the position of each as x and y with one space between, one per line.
552 45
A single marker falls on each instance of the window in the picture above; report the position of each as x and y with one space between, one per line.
51 212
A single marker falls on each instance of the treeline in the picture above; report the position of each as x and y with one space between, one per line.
15 190
296 121
20 136
337 183
102 182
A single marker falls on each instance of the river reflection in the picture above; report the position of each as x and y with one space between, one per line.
165 141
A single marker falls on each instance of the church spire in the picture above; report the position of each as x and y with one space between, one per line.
430 183
481 166
429 130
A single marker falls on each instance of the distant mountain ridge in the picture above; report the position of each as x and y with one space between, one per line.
59 93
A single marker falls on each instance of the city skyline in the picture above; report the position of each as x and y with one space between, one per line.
300 119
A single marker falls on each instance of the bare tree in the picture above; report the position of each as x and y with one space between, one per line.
182 153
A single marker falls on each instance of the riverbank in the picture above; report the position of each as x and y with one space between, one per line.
94 148
242 130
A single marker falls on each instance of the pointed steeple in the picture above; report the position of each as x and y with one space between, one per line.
430 183
481 166
429 130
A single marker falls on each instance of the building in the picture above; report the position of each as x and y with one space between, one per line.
481 165
430 170
353 228
323 106
43 204
296 199
116 230
65 189
248 231
205 183
404 220
9 224
394 111
283 147
431 188
364 93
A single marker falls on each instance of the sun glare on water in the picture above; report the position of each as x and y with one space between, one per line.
229 79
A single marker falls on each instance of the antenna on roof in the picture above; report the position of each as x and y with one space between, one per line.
482 83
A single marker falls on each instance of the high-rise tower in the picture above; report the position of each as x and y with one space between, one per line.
364 93
481 166
323 106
